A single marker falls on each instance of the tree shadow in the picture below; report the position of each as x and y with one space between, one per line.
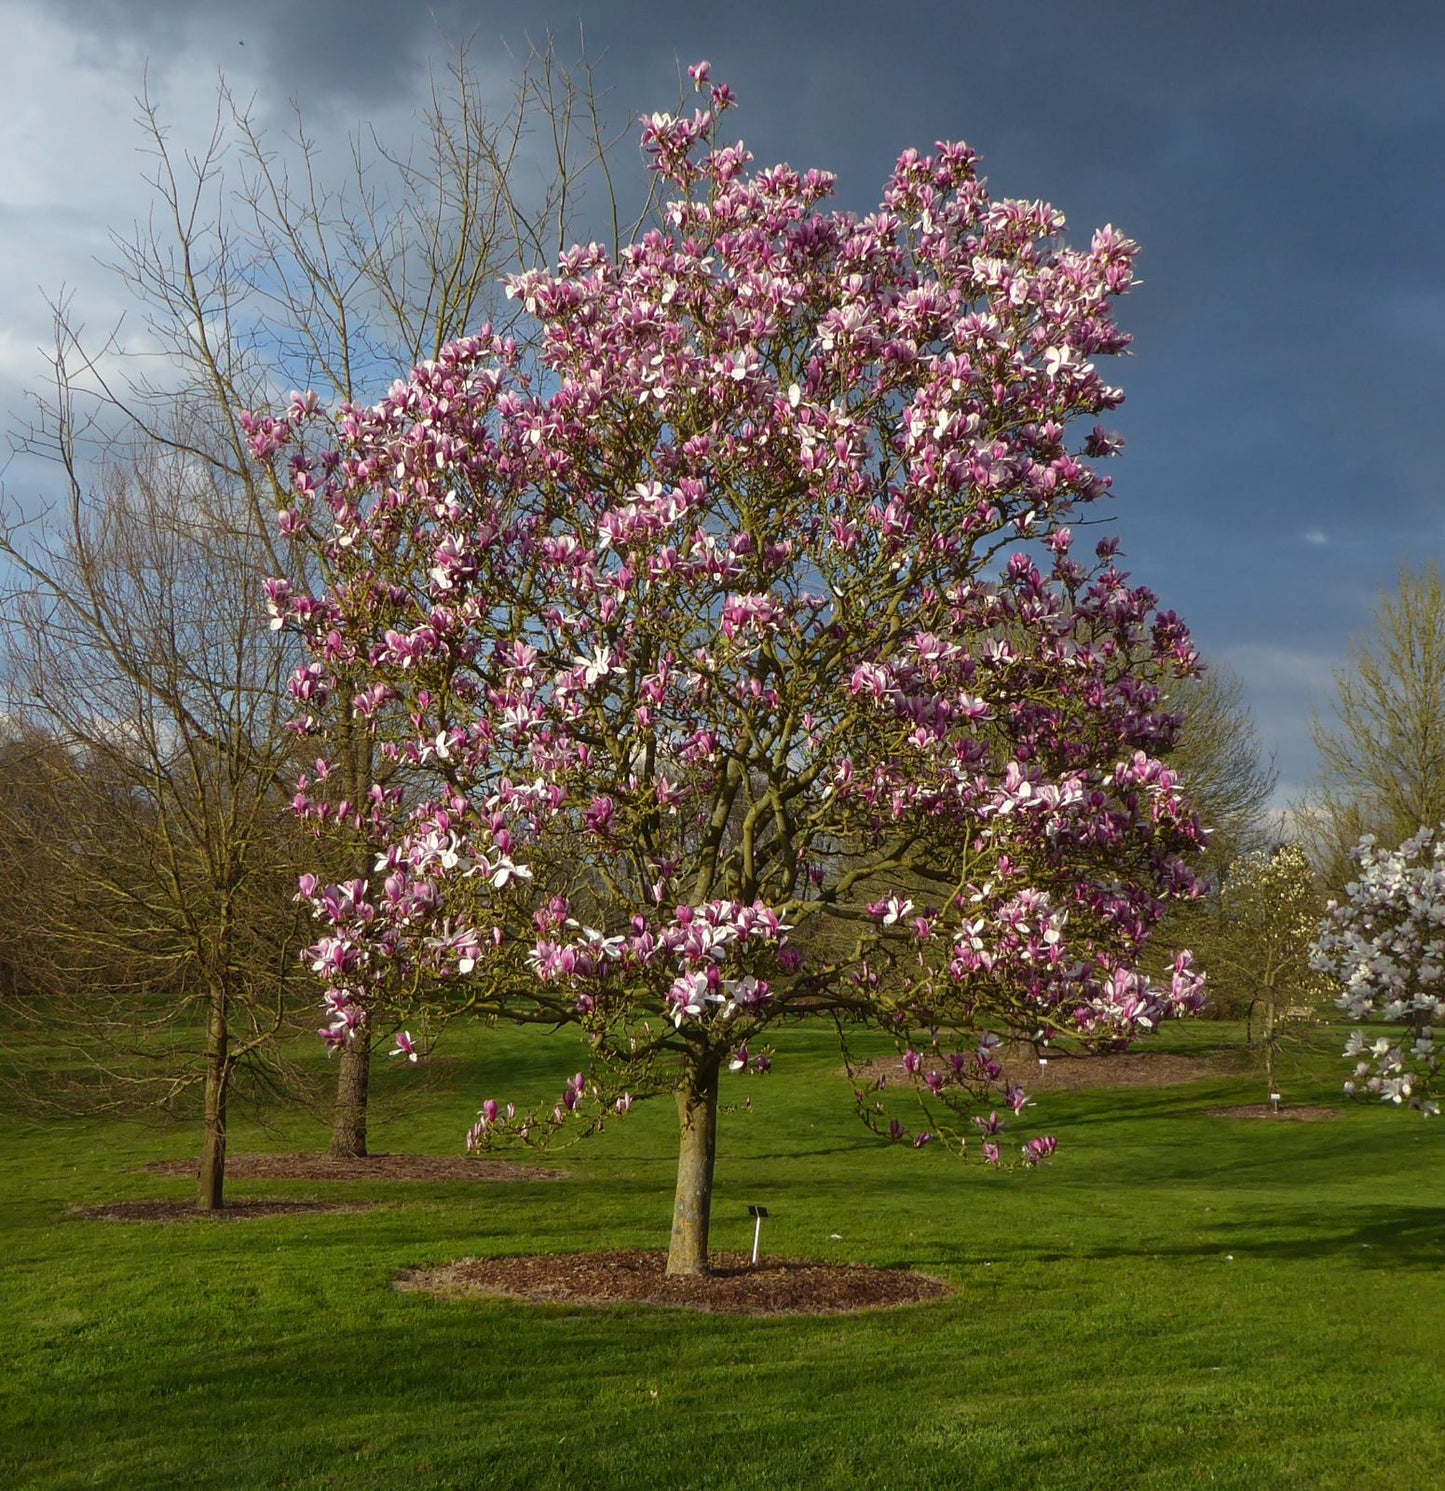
1373 1238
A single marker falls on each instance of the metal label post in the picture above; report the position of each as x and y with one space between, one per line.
757 1213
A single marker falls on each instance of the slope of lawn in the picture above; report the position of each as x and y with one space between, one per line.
1178 1300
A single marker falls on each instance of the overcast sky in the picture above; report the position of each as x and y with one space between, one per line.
1279 161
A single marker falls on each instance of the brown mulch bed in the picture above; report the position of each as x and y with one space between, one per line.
370 1167
1302 1114
1077 1071
635 1277
187 1211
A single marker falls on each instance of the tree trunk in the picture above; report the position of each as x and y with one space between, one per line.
210 1195
696 1153
1269 1017
353 1083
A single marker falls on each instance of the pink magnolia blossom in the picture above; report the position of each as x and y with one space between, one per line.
746 589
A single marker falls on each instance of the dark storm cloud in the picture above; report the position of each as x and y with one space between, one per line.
330 53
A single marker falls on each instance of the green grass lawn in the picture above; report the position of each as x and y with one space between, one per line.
1177 1300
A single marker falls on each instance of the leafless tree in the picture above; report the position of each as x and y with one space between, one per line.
149 694
1382 757
261 268
1230 786
1218 755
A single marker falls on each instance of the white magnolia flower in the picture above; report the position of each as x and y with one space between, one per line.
599 665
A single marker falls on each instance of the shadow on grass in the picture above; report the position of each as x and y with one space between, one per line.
1381 1237
1375 1238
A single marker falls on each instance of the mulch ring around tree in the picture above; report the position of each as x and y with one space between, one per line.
1304 1113
187 1210
368 1167
636 1277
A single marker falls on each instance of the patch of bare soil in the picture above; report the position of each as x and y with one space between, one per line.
1075 1071
187 1211
369 1167
733 1287
1302 1114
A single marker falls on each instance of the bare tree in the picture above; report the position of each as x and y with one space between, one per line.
150 694
34 812
261 269
1230 786
1218 755
1382 758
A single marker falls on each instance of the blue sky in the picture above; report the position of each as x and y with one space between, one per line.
1279 163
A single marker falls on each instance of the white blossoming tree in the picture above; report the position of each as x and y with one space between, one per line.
1385 942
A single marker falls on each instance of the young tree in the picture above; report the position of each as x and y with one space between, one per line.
1262 942
261 269
708 631
1382 761
1384 942
148 688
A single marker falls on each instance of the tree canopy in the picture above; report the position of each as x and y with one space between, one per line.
739 654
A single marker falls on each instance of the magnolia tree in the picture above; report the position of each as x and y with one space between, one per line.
743 643
1385 942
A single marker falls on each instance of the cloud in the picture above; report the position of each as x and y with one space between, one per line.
1272 383
77 176
325 52
1285 687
